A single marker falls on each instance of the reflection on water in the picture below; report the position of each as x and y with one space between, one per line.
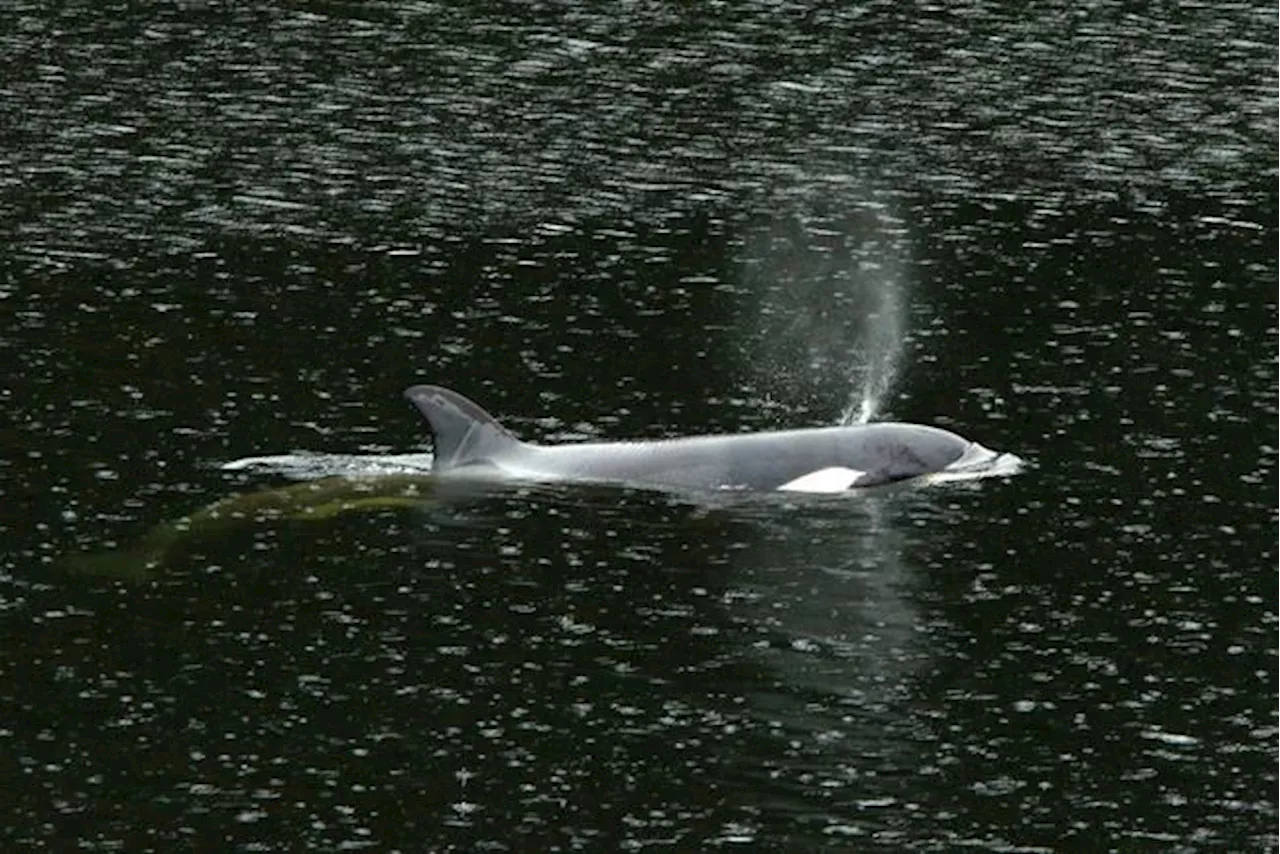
236 228
825 601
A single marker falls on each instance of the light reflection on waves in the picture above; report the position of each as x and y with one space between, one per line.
370 144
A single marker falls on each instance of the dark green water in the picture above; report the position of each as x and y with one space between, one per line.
239 230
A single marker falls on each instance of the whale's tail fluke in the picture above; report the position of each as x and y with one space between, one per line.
464 433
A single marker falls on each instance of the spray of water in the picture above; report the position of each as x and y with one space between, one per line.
876 360
826 309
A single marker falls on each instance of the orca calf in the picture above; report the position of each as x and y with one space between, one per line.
470 443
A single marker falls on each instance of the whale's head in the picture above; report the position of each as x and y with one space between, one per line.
978 461
888 452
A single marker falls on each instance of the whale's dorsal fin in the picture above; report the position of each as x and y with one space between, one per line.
463 432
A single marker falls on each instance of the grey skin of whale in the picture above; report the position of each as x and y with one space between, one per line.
469 442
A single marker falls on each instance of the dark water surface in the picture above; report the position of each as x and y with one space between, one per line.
237 229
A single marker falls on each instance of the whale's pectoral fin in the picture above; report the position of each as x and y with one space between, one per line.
828 480
463 432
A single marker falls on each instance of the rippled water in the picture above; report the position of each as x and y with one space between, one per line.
242 230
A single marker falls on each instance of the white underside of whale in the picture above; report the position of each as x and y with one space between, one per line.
824 481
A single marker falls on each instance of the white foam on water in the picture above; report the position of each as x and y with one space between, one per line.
306 465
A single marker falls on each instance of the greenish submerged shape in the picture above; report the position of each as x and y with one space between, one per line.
310 501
